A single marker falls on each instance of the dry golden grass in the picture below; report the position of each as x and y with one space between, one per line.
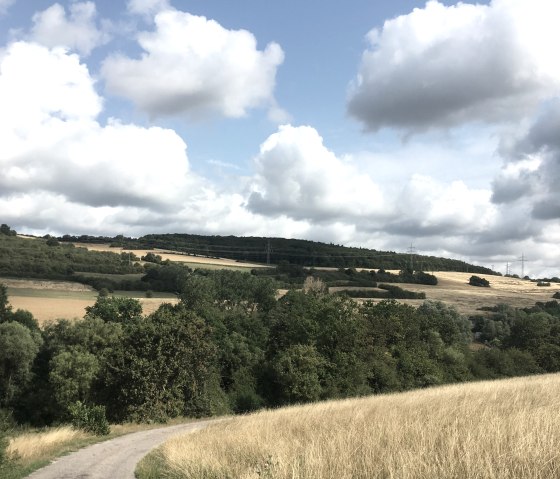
454 290
172 256
34 445
501 429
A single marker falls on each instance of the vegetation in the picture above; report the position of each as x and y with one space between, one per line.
506 429
230 345
34 258
477 281
280 250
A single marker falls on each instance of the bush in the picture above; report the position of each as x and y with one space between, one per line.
89 418
543 283
477 281
556 295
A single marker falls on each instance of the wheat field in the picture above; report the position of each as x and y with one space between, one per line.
497 429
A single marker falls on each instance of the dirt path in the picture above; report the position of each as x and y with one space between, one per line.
114 459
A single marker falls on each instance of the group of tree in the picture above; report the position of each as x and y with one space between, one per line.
231 345
278 250
47 258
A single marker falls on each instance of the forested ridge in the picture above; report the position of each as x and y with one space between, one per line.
281 250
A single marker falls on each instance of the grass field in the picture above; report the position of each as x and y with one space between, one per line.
33 449
50 300
189 260
508 429
454 290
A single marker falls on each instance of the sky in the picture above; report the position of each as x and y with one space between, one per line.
381 124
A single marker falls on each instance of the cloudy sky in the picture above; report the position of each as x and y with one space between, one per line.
381 124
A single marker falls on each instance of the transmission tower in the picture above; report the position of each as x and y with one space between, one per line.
411 250
268 250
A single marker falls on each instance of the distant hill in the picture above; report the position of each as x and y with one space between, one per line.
281 250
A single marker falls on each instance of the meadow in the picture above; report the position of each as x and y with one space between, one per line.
507 429
49 300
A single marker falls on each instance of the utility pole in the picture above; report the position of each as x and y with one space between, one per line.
268 252
507 268
411 250
523 259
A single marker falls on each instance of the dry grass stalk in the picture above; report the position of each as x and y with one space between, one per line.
501 429
34 445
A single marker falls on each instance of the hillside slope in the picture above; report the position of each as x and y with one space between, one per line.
506 429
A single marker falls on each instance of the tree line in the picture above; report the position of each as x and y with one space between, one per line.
230 345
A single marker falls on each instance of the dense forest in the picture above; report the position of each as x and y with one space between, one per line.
280 250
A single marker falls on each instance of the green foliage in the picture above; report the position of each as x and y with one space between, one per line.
113 309
18 348
152 258
161 367
89 418
5 308
477 281
6 230
298 372
72 374
33 258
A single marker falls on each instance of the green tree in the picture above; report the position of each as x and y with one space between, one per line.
18 348
72 374
5 308
298 372
162 366
113 309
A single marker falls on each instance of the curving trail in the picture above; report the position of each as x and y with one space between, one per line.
113 459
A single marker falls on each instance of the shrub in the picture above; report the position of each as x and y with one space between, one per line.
556 295
477 281
149 293
89 418
543 283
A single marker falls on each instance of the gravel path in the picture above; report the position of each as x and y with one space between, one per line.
114 459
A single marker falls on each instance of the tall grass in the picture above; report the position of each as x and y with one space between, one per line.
500 429
34 445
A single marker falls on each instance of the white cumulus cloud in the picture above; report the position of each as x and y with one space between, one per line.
297 176
193 66
441 66
76 30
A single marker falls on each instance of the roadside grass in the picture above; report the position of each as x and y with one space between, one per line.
507 429
33 449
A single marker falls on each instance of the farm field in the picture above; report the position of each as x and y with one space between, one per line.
453 289
189 260
50 300
504 429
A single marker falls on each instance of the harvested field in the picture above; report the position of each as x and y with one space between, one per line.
453 289
50 300
195 261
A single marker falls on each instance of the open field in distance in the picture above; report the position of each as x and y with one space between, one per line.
189 260
453 289
50 300
507 429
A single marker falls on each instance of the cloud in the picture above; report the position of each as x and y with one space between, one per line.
206 69
531 171
147 7
427 207
77 30
52 143
441 66
4 5
297 176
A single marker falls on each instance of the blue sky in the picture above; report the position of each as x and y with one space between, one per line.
378 124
